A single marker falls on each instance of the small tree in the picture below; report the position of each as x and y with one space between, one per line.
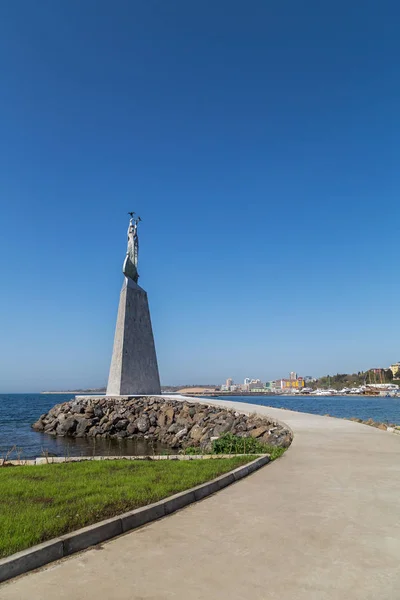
388 375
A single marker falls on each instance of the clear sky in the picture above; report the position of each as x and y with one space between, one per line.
258 140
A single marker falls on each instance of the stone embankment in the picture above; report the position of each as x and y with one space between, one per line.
391 427
174 423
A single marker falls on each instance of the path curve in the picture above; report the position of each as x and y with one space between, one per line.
321 523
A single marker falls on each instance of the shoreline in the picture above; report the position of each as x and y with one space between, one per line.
76 392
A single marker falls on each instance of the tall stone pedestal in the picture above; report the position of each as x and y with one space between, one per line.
134 367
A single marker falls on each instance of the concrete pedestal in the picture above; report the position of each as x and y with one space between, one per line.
134 367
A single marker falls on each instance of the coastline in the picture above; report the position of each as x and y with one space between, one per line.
77 392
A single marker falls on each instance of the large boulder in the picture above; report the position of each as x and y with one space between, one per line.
131 428
143 424
169 416
196 433
82 427
258 432
98 412
66 426
39 425
224 427
121 424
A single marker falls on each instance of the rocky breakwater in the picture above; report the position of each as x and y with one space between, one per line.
174 423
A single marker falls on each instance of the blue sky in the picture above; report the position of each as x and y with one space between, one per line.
259 143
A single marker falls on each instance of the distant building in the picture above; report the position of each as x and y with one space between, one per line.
256 384
245 387
293 375
395 368
273 386
246 384
287 384
229 382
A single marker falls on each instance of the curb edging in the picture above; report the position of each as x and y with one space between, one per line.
62 546
51 460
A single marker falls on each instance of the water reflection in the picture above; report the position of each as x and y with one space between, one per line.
69 446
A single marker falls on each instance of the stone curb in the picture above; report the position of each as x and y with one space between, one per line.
42 554
70 459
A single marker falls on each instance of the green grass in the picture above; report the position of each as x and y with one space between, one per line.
233 444
38 503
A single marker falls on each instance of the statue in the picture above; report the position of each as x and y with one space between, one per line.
129 268
133 369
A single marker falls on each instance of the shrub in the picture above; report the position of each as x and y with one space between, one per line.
233 444
193 450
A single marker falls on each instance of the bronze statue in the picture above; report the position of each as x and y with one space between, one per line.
130 267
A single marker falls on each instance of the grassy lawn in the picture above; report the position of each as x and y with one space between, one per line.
41 502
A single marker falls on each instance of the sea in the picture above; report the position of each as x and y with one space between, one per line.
19 411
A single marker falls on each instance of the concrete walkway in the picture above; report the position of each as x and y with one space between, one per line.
323 522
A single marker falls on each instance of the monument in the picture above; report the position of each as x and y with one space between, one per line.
134 369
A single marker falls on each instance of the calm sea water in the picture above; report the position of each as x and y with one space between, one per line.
385 410
19 411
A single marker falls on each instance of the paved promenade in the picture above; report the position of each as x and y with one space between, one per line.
323 522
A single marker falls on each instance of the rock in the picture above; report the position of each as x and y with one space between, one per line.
223 427
286 441
98 412
272 439
181 433
162 419
198 417
122 424
93 431
205 444
258 432
196 433
82 427
39 425
67 426
143 424
240 427
131 429
184 418
107 426
174 428
205 437
169 416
